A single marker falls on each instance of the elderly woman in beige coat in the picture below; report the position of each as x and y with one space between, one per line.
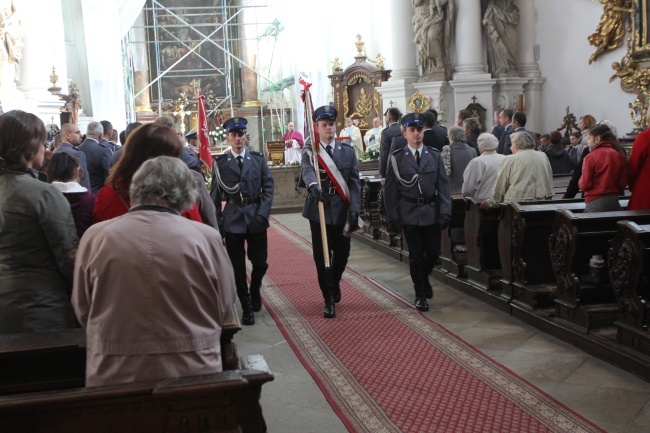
152 288
523 176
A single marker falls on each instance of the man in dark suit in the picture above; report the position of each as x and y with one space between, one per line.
98 156
432 137
70 140
398 142
243 179
340 192
518 124
392 130
506 121
441 130
107 136
417 199
498 129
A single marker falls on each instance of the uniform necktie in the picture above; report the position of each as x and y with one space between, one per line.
417 157
240 162
329 151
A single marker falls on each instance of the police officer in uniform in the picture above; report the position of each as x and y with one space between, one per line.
417 199
243 179
341 204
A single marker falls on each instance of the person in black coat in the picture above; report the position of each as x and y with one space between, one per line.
393 115
557 156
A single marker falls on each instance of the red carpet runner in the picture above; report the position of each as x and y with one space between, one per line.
385 367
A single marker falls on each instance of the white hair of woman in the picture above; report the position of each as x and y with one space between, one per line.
163 181
522 140
457 134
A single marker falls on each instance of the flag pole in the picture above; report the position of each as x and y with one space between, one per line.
315 147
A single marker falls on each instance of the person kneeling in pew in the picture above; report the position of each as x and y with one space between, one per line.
152 288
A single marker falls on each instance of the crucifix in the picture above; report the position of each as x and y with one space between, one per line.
474 98
391 104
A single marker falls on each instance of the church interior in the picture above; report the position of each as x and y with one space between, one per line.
514 339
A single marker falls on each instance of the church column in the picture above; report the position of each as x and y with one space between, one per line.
469 42
42 24
526 48
399 88
527 64
404 65
471 82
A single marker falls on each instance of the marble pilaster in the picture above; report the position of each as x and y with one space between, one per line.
404 65
441 97
470 64
527 64
533 103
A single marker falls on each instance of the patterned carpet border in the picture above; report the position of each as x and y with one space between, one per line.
353 402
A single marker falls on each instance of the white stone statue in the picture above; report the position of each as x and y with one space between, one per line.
12 46
432 25
500 20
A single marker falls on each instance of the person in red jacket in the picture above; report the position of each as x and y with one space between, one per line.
639 172
146 142
604 171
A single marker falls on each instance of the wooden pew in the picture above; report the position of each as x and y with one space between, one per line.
527 279
370 187
453 262
57 359
221 402
575 238
481 238
629 273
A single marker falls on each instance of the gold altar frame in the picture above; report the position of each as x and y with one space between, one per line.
641 44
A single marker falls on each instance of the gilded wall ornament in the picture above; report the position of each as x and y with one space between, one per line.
418 103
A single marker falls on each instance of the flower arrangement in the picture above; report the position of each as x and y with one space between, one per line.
372 152
218 134
289 164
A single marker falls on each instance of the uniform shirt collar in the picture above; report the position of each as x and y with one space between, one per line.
421 148
235 154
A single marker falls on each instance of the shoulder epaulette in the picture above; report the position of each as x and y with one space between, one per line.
395 152
432 148
252 152
345 144
218 157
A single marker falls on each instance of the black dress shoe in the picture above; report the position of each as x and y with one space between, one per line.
421 303
330 310
248 318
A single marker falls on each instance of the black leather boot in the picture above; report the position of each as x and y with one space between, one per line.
256 296
330 309
247 318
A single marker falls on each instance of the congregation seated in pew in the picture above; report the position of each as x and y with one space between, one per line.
164 322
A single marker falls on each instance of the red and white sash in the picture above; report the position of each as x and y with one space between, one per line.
333 173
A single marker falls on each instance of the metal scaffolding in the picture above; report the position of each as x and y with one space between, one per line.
206 43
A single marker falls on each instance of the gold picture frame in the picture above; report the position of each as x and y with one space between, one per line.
418 103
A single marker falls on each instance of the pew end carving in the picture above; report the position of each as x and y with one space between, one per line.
629 272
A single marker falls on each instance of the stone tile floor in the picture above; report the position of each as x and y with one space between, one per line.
607 396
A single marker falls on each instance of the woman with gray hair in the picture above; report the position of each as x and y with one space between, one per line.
38 240
161 315
523 176
481 173
456 156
